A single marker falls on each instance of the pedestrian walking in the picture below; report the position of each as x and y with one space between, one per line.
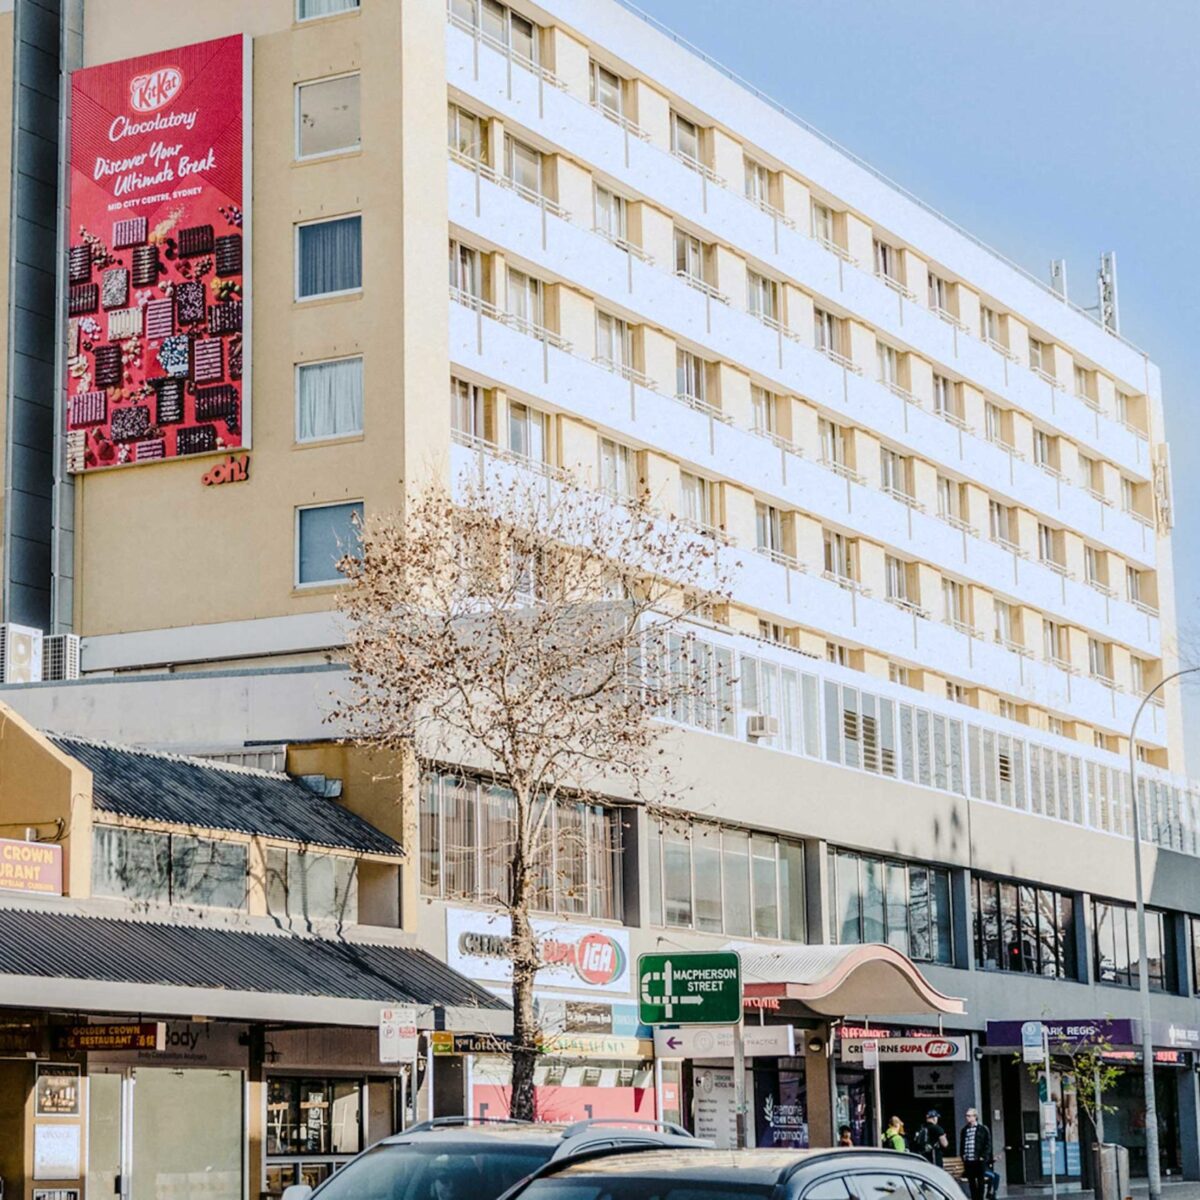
930 1140
975 1149
893 1135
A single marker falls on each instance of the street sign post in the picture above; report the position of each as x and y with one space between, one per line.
686 988
697 988
1032 1034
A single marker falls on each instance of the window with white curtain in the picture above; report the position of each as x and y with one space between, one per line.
523 166
1004 622
822 222
758 182
527 432
765 407
768 527
695 498
466 409
618 472
329 257
826 332
466 134
523 299
329 399
464 271
690 376
610 219
762 296
325 534
896 573
307 10
685 137
612 340
606 89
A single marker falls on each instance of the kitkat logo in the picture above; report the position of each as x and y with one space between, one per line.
149 92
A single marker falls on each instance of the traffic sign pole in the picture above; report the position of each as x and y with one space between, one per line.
739 1088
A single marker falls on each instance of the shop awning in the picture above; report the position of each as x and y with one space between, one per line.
835 980
177 790
70 961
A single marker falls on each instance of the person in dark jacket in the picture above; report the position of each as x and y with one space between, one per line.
975 1149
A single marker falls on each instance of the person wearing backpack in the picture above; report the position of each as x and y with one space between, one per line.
893 1135
930 1141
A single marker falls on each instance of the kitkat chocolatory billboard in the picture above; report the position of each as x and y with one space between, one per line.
158 257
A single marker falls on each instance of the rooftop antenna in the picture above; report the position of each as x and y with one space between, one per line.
1106 280
1058 276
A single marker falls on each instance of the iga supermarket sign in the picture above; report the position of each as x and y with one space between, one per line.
158 257
910 1049
579 957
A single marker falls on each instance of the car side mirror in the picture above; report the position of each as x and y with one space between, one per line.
297 1191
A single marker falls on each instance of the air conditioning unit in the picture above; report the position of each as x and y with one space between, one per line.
20 654
760 726
60 657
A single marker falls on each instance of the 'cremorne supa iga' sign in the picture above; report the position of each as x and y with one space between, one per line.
158 258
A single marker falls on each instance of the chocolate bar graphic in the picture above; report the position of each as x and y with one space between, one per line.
160 319
130 424
196 239
129 232
79 264
228 256
216 403
196 440
114 287
83 298
168 400
145 266
88 408
109 371
208 361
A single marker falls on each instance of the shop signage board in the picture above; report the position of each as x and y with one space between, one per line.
57 1090
397 1035
34 868
714 1101
159 257
906 1049
868 1052
578 957
56 1151
758 1041
140 1035
932 1083
685 988
1117 1031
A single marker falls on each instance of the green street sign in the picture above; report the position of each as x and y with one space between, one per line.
687 988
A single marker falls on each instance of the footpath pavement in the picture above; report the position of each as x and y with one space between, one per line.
1180 1190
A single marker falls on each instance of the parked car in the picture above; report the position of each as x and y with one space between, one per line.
468 1158
687 1174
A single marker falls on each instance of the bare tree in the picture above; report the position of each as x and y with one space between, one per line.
534 630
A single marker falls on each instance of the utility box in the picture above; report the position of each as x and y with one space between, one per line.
1112 1171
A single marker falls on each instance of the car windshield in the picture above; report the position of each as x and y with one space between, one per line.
618 1187
428 1171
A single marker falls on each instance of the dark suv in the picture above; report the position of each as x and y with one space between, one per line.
465 1158
683 1174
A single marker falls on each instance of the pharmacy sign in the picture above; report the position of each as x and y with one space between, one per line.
690 989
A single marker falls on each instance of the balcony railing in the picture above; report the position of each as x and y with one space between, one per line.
833 248
534 330
694 164
1149 609
703 406
846 581
623 244
611 114
1000 348
904 393
964 627
1061 664
1102 588
946 315
1007 447
896 286
1052 564
903 602
904 498
475 303
1096 494
1011 547
954 419
775 324
492 176
625 371
701 285
705 529
833 355
784 560
842 469
514 56
1090 401
957 523
539 466
777 439
776 214
1047 377
1013 647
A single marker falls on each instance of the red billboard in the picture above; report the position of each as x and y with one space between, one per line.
158 258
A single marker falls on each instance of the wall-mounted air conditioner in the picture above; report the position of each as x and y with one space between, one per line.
760 726
60 657
20 654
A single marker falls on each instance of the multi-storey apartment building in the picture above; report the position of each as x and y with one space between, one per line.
947 488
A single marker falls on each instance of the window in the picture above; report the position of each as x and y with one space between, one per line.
307 10
523 168
1128 495
906 905
762 296
896 574
1133 585
939 293
887 261
691 377
501 26
314 1116
1044 449
1037 355
466 134
606 92
1083 383
466 409
833 443
993 420
324 535
1000 523
758 183
523 301
768 528
1046 540
953 603
1099 659
989 325
945 398
695 499
897 673
1091 565
950 499
724 880
1194 924
895 473
1004 622
612 342
889 364
1089 473
1054 640
618 475
311 885
466 834
685 138
464 272
327 116
826 332
839 556
162 868
765 407
610 215
329 257
528 433
822 223
690 256
1019 927
1116 936
329 399
837 653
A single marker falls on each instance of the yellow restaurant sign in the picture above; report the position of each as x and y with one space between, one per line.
32 867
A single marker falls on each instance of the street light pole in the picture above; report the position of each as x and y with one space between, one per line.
1153 1168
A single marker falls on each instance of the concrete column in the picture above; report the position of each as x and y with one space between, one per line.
635 850
572 315
653 231
860 347
857 237
654 356
650 110
795 201
1073 554
871 567
798 313
740 521
1022 433
920 378
568 58
578 449
733 390
975 508
862 453
967 301
662 482
818 1087
803 429
1106 394
916 276
972 405
1189 1122
572 186
725 157
924 483
810 546
730 275
1016 337
816 892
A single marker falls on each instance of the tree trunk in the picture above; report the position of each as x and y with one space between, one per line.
525 1050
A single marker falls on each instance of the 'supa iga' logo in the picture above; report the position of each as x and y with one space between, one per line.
154 89
939 1049
598 959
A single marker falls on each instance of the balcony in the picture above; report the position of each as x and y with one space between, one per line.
841 360
1000 348
703 406
514 57
701 285
902 497
623 244
620 120
833 248
896 286
840 468
846 583
625 371
906 605
694 164
784 560
944 314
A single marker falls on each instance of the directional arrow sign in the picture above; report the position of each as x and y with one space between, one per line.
690 989
769 1041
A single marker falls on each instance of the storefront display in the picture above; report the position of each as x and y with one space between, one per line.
566 1089
780 1107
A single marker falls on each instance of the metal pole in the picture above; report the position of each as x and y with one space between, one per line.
739 1087
1050 1098
1153 1167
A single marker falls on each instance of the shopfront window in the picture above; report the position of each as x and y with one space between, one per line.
1116 936
311 885
724 880
314 1116
1019 927
467 832
906 905
163 868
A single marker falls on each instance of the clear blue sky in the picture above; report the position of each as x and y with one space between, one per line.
1049 128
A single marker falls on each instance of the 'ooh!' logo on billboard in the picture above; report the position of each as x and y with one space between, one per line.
151 91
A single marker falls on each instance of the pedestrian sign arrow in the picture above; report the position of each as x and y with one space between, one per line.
686 988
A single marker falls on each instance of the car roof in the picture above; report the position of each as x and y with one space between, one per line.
481 1134
764 1167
